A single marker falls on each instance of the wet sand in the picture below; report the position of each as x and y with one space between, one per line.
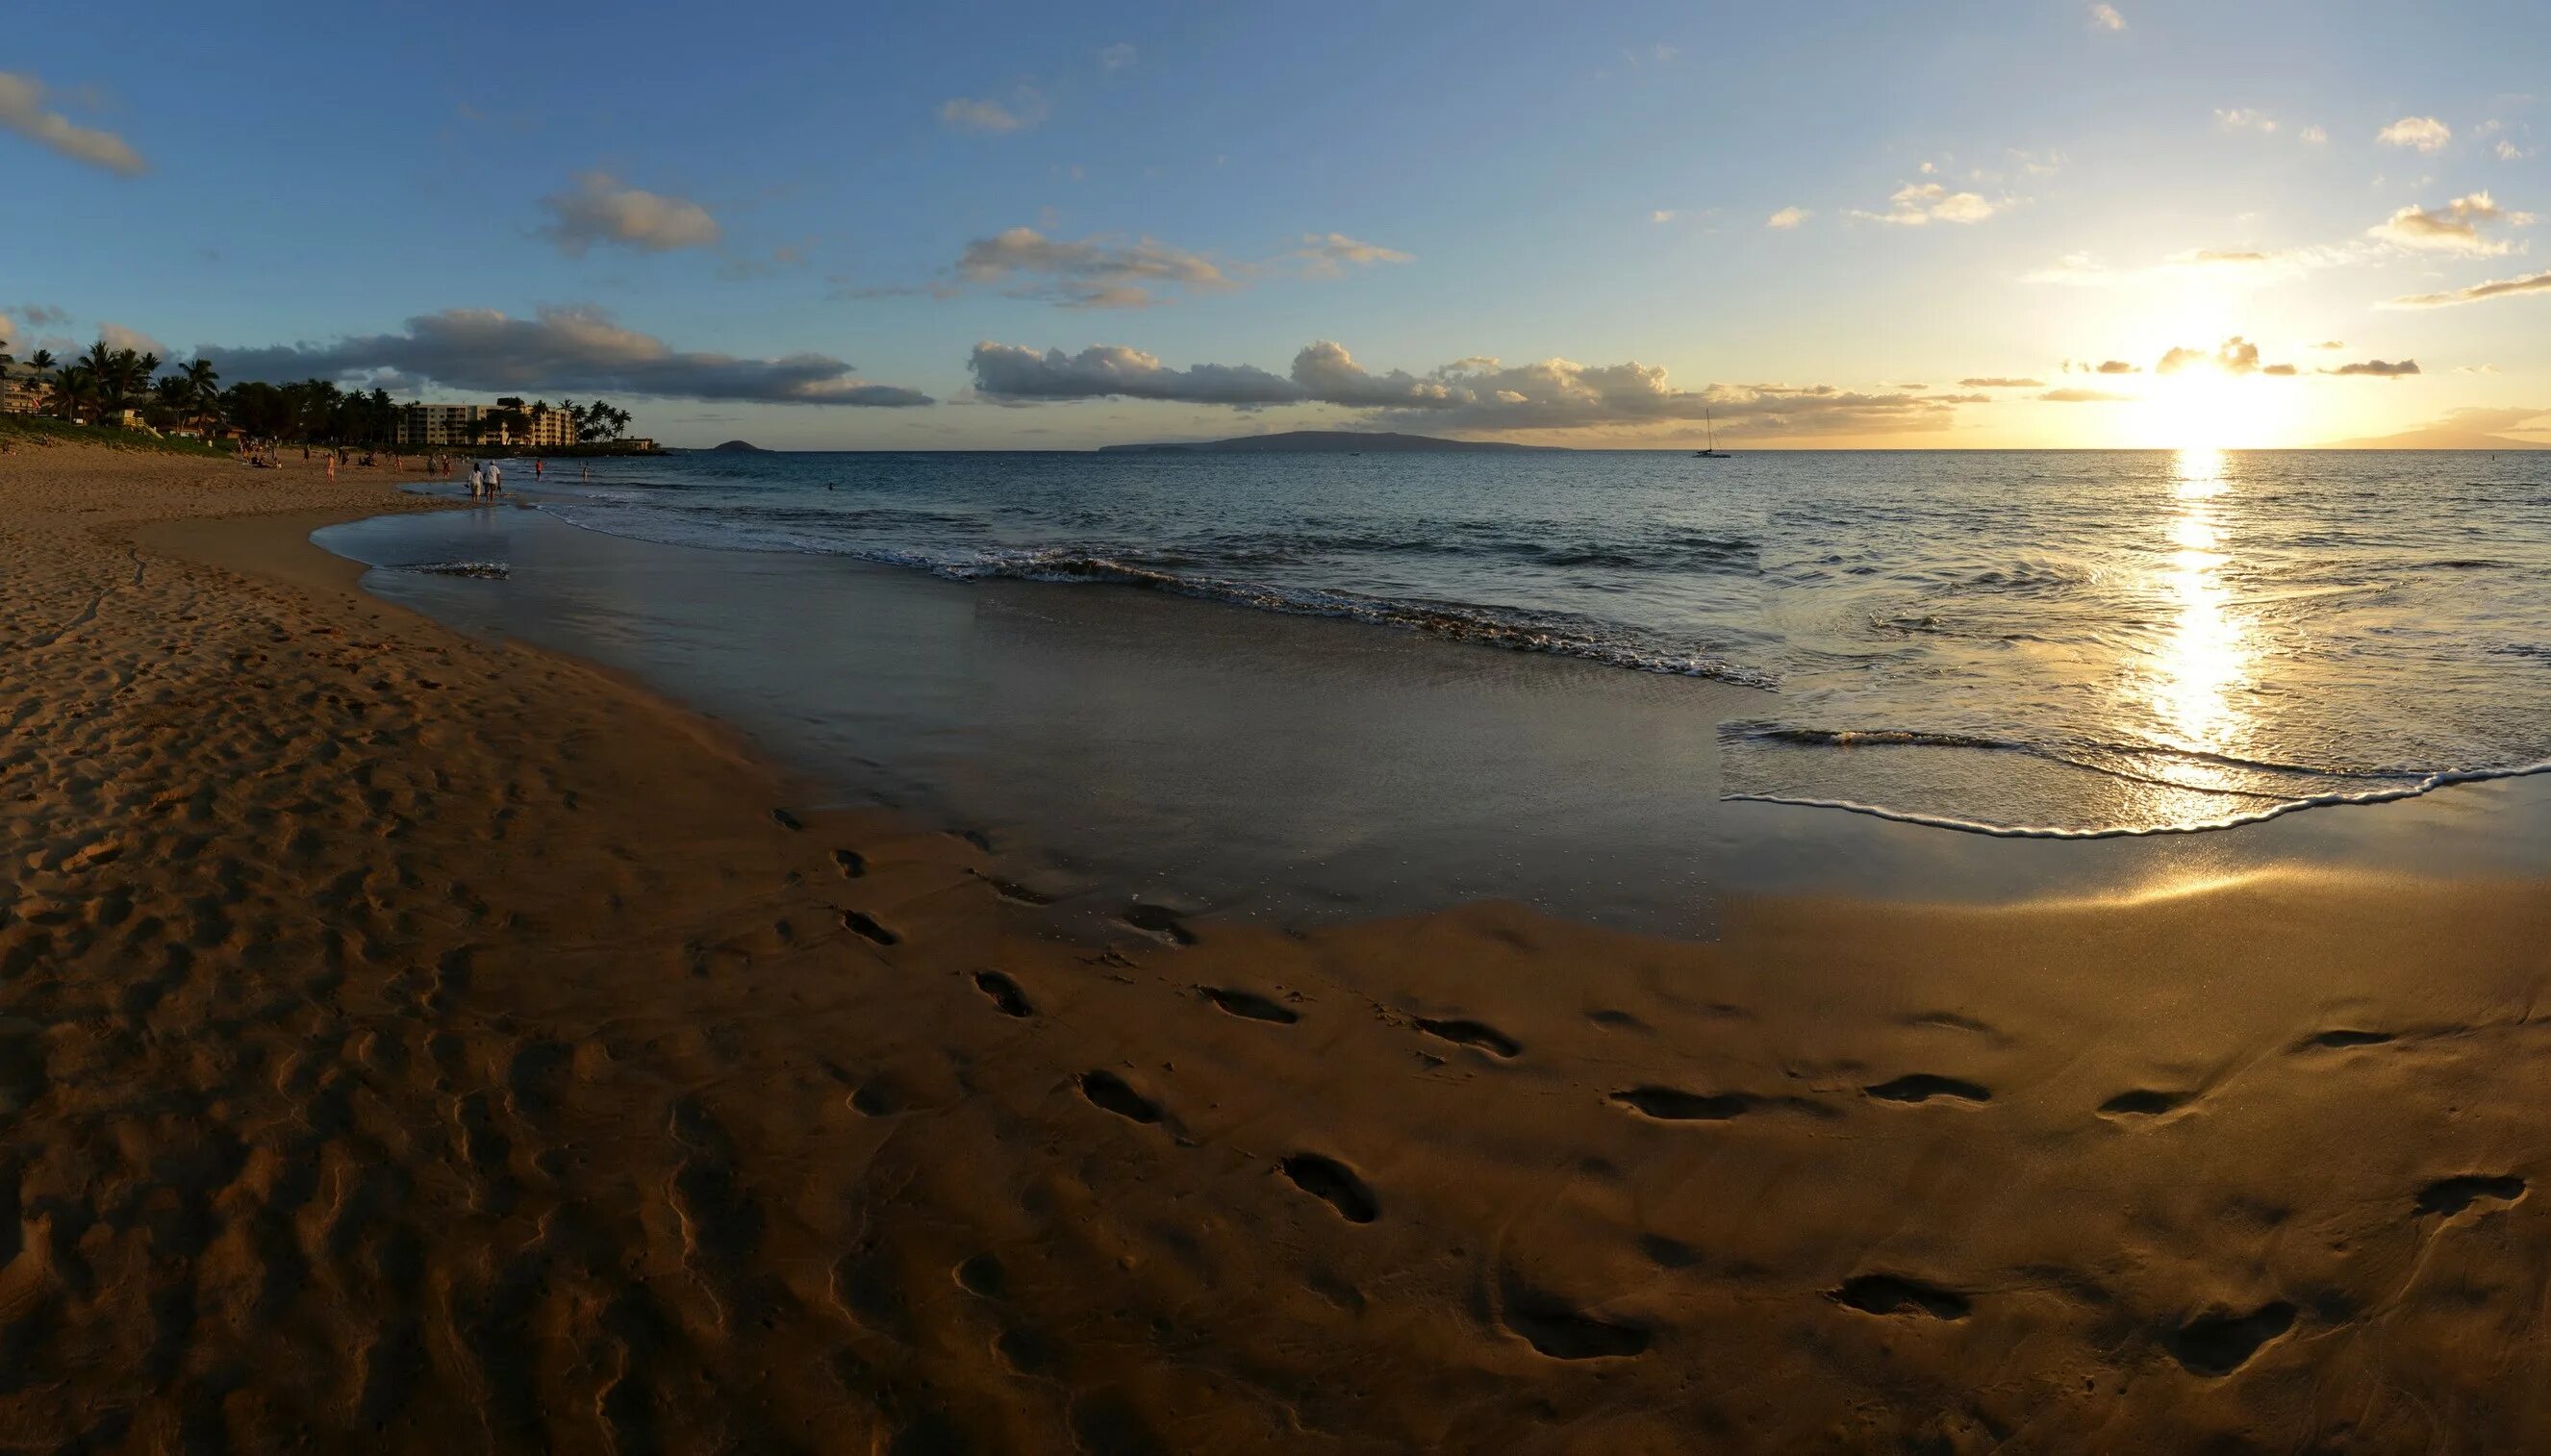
429 1043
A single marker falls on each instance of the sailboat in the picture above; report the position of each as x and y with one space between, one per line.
1713 452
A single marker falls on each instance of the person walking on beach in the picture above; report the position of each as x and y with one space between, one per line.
478 481
495 479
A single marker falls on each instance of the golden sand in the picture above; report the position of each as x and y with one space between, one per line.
418 1043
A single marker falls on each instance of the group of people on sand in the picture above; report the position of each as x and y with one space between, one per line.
487 479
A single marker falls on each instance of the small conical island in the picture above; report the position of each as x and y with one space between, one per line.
738 447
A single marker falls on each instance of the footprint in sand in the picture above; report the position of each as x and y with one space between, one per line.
1485 1038
2216 1344
1562 1331
1014 892
1669 1105
865 925
1158 924
1893 1294
1248 1004
1109 1091
2145 1102
1924 1086
2342 1039
785 820
2450 1196
1335 1184
851 863
1005 993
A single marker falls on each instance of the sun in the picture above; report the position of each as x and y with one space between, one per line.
2205 408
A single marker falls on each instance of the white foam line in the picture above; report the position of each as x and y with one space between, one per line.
2428 785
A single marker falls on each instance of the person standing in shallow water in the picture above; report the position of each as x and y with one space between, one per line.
478 481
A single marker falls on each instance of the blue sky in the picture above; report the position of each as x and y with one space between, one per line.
743 201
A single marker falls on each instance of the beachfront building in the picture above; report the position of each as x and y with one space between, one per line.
22 390
468 425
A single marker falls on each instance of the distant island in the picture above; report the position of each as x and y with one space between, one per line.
739 447
1330 441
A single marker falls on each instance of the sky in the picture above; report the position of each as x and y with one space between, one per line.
2152 223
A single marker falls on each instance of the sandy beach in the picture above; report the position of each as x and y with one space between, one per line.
416 1043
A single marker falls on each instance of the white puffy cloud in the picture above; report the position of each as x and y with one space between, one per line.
2454 228
117 336
564 350
22 110
1662 215
2478 292
600 209
2420 133
2241 119
2104 17
1477 393
1917 203
1787 217
1023 111
2314 136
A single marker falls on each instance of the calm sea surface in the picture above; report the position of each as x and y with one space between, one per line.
2061 643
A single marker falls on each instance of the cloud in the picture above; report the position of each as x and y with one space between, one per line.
2083 397
1093 274
1996 382
1116 58
116 336
2281 371
1024 111
564 350
780 260
34 316
1327 255
2328 343
1918 203
2315 135
1662 215
2082 270
2423 133
1013 372
2454 228
2104 17
2235 355
2508 150
1106 272
2113 367
1477 393
22 110
2377 368
1787 218
601 210
2478 292
2242 120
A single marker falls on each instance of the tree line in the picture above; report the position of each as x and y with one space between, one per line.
103 383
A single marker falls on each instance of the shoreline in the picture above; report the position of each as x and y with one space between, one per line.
424 1040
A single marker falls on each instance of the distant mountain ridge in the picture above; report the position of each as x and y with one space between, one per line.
1326 441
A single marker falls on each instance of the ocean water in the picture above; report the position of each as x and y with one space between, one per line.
2050 643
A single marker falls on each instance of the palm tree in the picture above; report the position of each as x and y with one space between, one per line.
74 388
203 385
